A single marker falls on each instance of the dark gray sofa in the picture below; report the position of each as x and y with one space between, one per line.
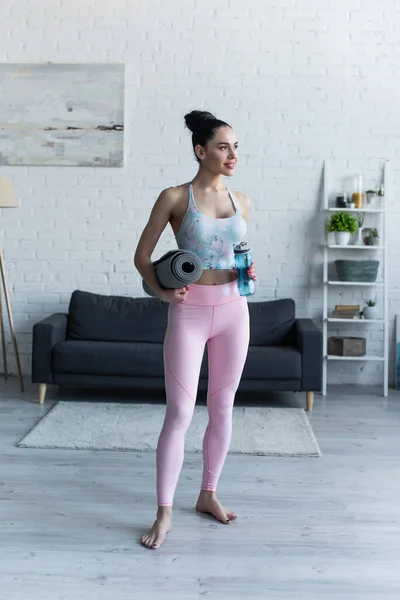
118 341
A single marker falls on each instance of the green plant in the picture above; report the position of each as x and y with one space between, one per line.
370 303
374 233
342 221
360 218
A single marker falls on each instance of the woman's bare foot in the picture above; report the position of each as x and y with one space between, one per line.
208 503
162 525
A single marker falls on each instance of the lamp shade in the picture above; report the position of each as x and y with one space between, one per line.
8 196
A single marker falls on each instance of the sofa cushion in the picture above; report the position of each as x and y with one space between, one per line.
140 359
272 362
144 359
272 322
116 318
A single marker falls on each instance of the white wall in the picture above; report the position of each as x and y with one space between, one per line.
299 80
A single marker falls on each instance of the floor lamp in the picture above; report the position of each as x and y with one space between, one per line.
8 199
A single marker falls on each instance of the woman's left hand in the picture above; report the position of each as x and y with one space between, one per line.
251 271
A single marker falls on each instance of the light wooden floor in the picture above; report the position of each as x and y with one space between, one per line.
308 529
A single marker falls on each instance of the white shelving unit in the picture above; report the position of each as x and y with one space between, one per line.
329 285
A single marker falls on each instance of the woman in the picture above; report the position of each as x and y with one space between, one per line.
209 220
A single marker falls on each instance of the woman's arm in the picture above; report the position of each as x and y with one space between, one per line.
158 220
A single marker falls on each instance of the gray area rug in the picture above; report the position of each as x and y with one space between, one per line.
136 427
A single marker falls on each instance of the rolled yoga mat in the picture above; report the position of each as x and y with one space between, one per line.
175 269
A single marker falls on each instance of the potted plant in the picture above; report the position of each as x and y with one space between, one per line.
370 310
371 196
374 237
343 224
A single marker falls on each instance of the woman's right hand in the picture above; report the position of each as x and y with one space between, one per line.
175 296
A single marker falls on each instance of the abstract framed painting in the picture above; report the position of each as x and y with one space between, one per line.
397 352
62 114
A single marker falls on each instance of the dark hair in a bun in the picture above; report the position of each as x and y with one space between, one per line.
203 126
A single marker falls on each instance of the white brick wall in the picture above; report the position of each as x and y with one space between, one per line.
300 80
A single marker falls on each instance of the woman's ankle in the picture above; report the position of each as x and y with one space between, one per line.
208 494
164 511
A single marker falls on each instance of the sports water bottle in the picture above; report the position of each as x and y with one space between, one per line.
246 284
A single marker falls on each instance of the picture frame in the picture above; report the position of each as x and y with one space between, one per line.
397 320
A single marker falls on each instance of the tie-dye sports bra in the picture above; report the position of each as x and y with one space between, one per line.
212 239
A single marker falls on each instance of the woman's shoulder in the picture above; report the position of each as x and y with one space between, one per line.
243 202
175 199
243 197
175 193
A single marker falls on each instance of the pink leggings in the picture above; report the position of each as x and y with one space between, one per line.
216 315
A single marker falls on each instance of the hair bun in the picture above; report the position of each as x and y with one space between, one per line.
195 118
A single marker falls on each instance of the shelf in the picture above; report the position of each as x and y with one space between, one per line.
361 283
355 247
358 321
369 358
375 215
361 210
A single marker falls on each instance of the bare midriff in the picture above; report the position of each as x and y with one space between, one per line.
216 277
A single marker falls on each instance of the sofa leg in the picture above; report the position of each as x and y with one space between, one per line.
42 392
310 400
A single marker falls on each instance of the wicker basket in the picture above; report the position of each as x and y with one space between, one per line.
357 270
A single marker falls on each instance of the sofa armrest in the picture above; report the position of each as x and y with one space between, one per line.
46 334
309 343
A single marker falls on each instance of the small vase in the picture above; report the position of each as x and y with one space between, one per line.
342 238
358 199
370 312
358 193
360 241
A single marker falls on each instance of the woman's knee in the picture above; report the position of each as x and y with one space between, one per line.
220 412
179 415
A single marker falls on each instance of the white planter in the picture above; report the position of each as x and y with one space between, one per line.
370 312
359 241
342 238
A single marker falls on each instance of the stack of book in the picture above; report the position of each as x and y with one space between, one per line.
346 311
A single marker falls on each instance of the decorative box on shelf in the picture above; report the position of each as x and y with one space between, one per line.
347 346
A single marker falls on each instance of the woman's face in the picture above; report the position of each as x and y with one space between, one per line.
220 156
